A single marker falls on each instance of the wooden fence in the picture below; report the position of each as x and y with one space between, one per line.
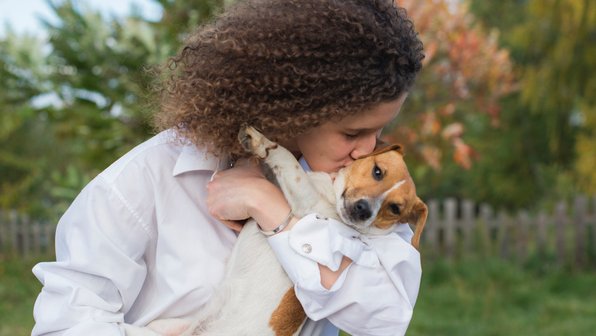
566 235
21 236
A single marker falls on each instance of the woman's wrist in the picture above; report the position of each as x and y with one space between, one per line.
279 228
286 225
272 216
270 208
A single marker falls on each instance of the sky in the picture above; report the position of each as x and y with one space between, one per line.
22 15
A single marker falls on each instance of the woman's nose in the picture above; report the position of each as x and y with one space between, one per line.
364 146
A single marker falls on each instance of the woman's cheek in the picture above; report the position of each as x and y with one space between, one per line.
345 149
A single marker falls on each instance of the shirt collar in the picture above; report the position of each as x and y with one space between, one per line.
304 164
192 158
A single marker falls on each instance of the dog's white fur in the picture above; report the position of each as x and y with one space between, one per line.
254 281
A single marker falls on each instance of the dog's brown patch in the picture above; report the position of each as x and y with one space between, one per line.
362 185
288 316
384 148
268 149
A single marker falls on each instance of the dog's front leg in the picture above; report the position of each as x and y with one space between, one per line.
294 182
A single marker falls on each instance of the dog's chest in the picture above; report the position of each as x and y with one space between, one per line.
316 197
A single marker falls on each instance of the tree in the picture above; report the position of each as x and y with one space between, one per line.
465 75
23 131
71 111
551 43
473 126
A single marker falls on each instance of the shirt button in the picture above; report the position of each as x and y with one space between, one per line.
306 248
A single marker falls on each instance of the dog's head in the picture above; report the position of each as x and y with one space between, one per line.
376 192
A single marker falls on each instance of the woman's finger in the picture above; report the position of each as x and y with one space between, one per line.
234 225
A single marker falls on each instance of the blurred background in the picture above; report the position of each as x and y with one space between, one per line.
499 131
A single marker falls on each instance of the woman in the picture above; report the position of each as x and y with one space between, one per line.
145 240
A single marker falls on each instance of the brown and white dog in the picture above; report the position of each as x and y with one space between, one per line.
256 297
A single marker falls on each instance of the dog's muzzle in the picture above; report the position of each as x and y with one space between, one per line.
360 211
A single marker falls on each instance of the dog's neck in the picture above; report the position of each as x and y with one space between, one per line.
375 231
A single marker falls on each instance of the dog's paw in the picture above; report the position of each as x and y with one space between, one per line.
245 139
255 142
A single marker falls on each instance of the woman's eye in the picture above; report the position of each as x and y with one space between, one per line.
377 173
350 135
394 208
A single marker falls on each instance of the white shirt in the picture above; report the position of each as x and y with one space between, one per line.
138 244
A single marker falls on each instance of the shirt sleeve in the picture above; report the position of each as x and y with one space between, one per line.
99 268
375 295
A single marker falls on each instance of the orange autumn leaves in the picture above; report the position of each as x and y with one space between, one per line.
465 72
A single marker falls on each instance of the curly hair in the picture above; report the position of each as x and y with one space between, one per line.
285 67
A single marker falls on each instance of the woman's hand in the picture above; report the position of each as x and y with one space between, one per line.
242 192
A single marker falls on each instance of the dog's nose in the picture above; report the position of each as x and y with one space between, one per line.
361 210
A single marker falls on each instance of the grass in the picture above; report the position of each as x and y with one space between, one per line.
493 297
18 290
473 297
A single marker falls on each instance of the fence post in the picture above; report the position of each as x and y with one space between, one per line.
25 228
450 217
504 235
36 238
3 231
580 218
485 227
432 228
541 234
50 233
521 239
468 225
14 233
561 221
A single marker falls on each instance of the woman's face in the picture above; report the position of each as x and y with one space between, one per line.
336 144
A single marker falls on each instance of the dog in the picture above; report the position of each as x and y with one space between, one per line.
371 195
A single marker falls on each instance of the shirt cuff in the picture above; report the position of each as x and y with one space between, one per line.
316 240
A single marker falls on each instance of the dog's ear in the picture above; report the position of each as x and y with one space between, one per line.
380 144
418 218
383 147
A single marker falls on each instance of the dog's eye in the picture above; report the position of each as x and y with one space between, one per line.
377 173
394 208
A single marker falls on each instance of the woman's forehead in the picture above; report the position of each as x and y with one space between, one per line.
373 118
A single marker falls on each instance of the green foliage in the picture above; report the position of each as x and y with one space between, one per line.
540 148
73 105
586 147
181 17
23 130
544 145
97 73
476 126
